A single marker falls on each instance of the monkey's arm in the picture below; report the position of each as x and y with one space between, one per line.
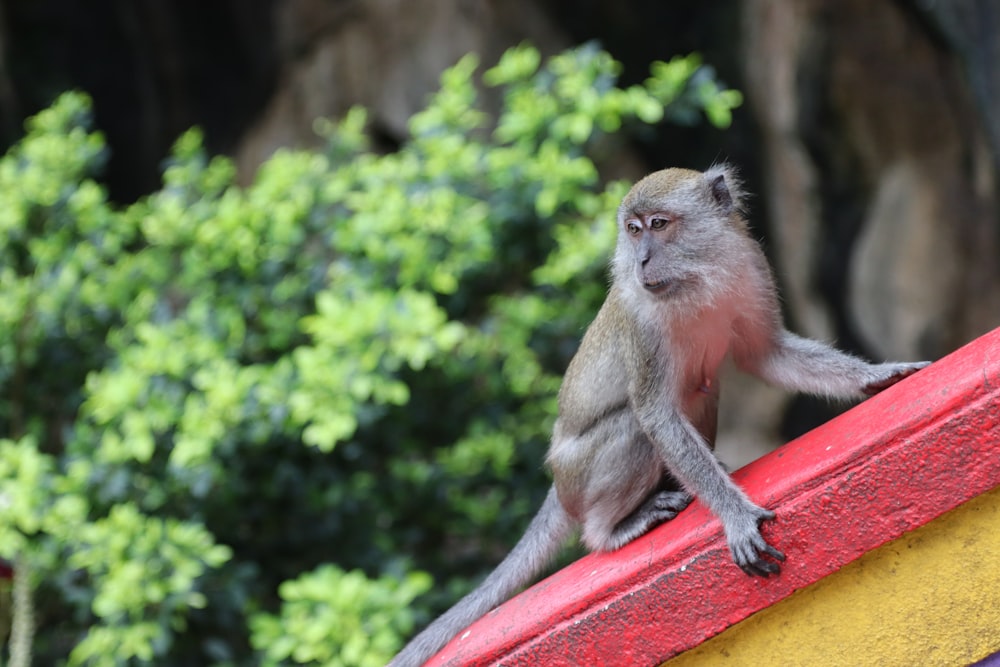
687 456
805 365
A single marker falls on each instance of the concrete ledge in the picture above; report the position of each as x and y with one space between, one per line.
928 598
891 464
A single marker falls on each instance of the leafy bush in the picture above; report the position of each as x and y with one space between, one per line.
244 423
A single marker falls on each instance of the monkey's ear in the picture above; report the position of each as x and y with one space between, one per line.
720 193
724 186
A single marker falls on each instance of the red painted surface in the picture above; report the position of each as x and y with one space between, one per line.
889 465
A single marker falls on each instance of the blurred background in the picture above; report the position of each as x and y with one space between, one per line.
869 133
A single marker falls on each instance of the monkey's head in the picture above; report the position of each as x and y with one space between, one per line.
677 231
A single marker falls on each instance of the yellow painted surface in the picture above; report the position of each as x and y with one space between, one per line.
931 597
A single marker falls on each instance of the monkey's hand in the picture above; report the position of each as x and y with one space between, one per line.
889 374
747 545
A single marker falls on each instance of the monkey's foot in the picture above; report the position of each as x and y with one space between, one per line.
894 372
665 505
659 507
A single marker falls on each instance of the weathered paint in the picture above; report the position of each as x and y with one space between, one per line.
888 466
930 597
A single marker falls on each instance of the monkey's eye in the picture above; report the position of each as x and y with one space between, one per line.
659 223
633 228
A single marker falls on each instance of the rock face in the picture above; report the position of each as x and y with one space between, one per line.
385 55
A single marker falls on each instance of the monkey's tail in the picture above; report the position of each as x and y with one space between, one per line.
537 547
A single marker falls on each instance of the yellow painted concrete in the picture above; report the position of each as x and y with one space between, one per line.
931 597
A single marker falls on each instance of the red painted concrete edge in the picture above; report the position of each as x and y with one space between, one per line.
889 465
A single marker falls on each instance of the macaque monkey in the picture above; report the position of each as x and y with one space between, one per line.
633 440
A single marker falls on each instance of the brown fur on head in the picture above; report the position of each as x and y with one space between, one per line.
721 182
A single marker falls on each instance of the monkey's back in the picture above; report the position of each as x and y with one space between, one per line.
600 362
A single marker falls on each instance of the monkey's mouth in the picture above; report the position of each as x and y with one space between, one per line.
659 287
668 286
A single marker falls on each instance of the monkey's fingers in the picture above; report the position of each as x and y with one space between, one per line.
774 553
905 371
751 557
760 568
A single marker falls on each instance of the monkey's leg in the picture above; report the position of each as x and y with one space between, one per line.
625 493
663 504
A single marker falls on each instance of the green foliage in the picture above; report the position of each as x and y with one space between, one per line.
336 618
242 421
145 572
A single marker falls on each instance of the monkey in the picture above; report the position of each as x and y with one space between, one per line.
633 440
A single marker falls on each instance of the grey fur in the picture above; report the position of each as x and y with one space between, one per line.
537 547
637 408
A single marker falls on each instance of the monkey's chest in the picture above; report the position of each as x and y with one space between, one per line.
700 352
699 391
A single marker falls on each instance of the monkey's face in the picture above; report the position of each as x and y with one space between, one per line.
673 232
655 251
